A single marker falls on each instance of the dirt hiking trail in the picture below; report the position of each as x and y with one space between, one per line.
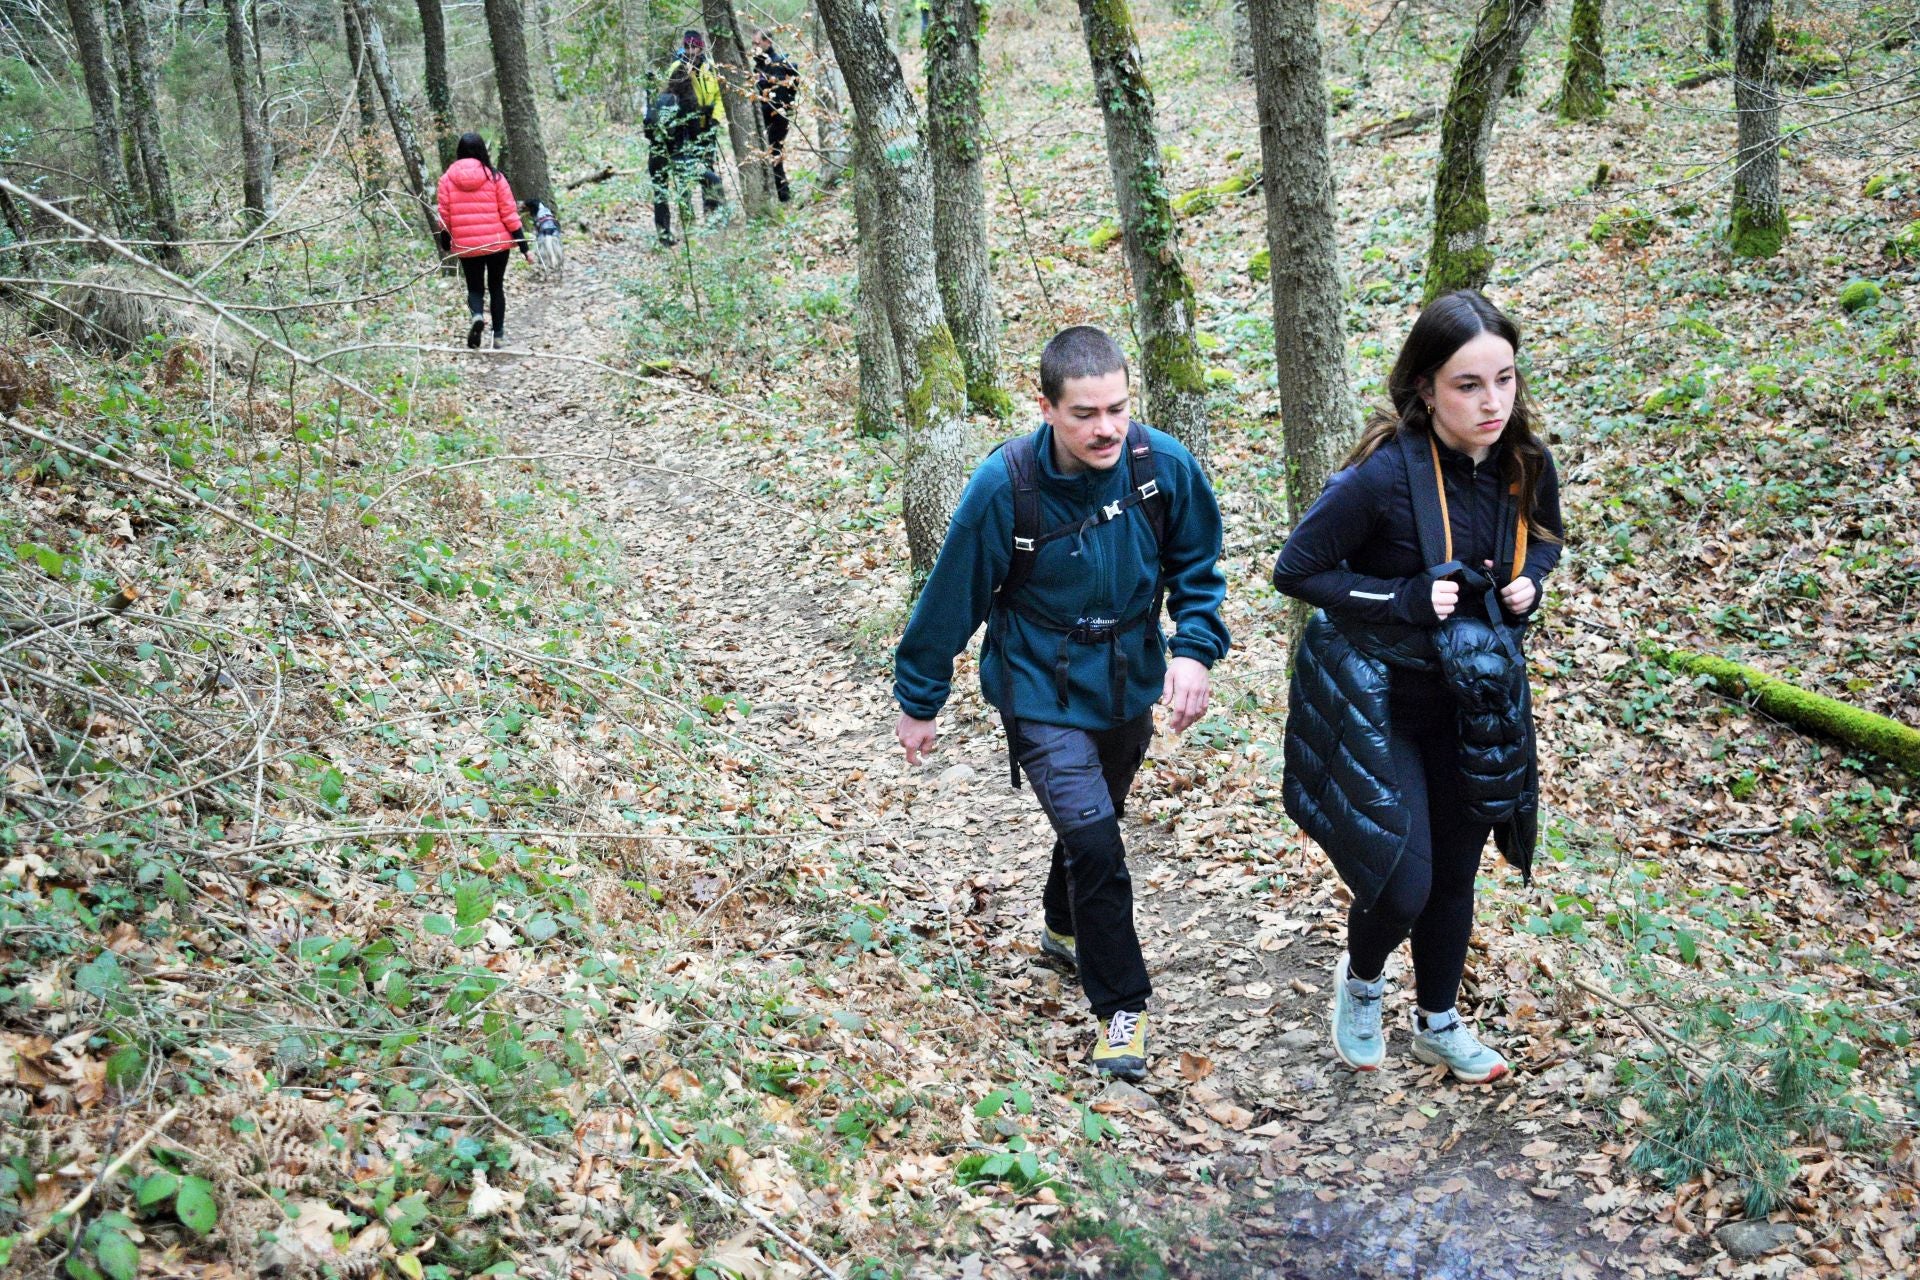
1248 1126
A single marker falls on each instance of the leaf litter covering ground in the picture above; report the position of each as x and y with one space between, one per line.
777 1004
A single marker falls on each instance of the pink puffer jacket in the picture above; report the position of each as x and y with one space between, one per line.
477 208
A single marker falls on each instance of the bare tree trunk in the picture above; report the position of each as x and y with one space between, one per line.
256 148
1759 220
879 408
836 153
1583 89
90 43
1309 315
1716 28
744 128
143 111
1459 257
363 90
433 40
931 376
1241 39
399 114
130 161
1174 377
527 150
960 199
543 25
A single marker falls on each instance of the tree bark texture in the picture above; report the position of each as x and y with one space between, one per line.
879 407
358 67
932 379
1317 409
1173 377
543 24
1759 224
399 114
836 150
130 159
1716 28
143 111
1583 89
526 149
960 199
90 42
256 147
744 128
1460 257
1240 39
433 41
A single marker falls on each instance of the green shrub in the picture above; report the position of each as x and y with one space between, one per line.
1858 295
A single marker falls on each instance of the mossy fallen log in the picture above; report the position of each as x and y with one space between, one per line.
1864 730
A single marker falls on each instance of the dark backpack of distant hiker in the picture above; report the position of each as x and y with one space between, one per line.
1030 534
779 80
662 111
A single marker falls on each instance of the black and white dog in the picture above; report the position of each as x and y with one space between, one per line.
547 255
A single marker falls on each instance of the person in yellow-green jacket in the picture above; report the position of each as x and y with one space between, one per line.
706 93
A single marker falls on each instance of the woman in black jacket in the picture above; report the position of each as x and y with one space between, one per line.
1375 726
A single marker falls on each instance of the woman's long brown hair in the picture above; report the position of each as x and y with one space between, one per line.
1449 323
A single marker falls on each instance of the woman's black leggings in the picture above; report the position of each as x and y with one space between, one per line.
490 273
1430 897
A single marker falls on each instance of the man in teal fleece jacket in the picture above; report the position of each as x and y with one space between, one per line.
1075 658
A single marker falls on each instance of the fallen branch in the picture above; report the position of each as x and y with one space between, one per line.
1864 730
1667 1039
1394 127
79 1202
602 175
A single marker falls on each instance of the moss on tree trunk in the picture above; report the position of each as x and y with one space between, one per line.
959 199
433 52
1583 89
1173 373
526 148
1459 256
1758 226
1802 708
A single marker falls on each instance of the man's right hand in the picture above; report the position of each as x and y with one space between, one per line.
916 736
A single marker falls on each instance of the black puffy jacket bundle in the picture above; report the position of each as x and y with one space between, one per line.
1480 659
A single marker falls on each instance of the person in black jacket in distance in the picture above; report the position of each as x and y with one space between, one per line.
1357 555
676 153
776 82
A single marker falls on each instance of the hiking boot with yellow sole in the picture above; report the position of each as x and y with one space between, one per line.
1120 1047
1057 951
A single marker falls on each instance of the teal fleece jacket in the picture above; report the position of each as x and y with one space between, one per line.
1109 572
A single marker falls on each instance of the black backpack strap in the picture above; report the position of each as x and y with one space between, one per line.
1144 472
1422 457
1019 455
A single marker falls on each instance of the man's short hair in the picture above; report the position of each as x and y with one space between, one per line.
1080 352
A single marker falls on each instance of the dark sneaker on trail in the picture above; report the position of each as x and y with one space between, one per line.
1120 1048
1446 1042
1357 1035
1057 951
474 330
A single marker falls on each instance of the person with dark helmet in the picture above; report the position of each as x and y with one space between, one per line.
776 83
1409 734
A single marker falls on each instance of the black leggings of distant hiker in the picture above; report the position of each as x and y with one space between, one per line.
1430 896
489 272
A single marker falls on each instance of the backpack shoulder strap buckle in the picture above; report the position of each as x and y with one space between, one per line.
1151 489
1022 544
1112 510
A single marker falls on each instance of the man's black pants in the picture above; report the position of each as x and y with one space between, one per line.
1082 777
486 275
775 121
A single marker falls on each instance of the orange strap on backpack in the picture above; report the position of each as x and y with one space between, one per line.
1446 516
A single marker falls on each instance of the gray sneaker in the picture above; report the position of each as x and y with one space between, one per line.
1446 1042
1357 1036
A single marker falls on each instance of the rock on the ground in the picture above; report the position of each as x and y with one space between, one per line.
1754 1239
954 775
1127 1096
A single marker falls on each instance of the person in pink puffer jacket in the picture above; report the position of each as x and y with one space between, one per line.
480 224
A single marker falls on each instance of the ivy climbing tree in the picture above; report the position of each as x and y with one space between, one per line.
1459 256
960 200
932 379
1173 377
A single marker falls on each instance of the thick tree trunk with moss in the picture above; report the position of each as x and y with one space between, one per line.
507 32
1716 28
90 42
1172 373
1759 225
1309 312
879 407
1460 257
433 43
143 114
1802 708
130 162
744 127
932 380
399 114
359 67
829 91
1583 89
960 199
256 148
